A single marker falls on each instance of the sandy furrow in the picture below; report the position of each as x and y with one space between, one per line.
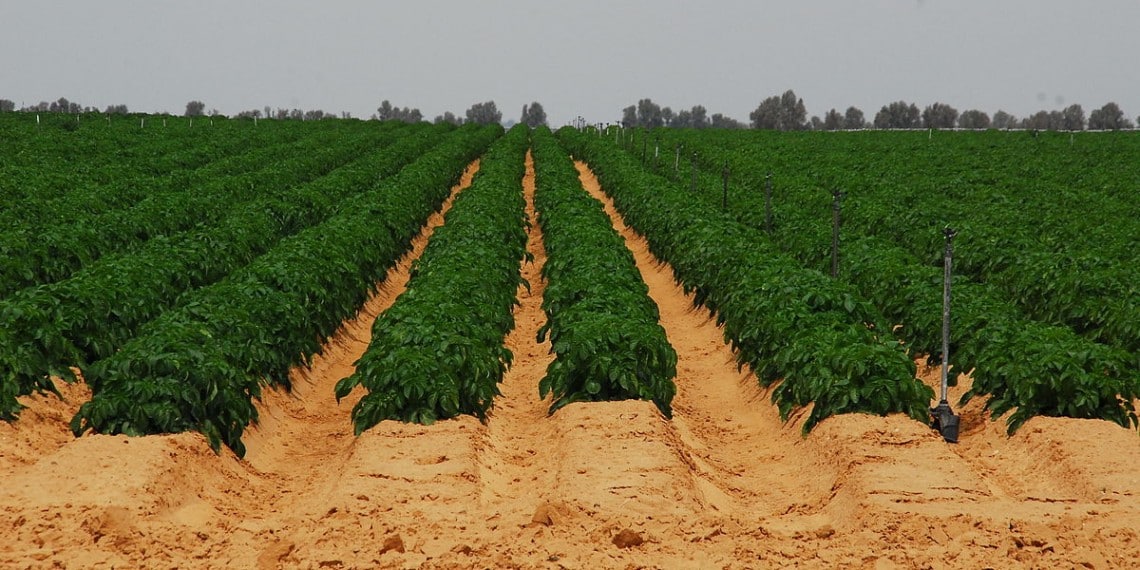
1048 460
513 459
743 455
307 425
323 477
42 427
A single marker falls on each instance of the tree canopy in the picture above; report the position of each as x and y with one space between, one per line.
485 113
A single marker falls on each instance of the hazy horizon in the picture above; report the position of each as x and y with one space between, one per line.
587 58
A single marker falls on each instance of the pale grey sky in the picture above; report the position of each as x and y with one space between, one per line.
586 57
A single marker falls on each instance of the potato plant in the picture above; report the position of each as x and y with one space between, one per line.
438 351
1022 366
603 327
54 250
198 366
89 316
814 338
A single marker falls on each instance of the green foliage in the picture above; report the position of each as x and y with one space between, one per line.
1035 369
817 337
55 238
198 366
438 351
1030 368
602 324
91 315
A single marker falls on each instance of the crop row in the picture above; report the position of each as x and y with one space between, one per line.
1027 367
97 171
817 337
1094 295
438 351
1052 226
38 255
89 316
48 161
603 326
198 366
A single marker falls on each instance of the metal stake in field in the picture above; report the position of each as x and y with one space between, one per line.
677 164
943 418
837 198
724 195
768 203
693 186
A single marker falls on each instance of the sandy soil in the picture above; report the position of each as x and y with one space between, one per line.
725 484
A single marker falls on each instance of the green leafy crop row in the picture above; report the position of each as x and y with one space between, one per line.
438 351
817 337
197 367
106 168
1051 222
50 252
1027 367
1087 290
44 165
1024 366
76 321
602 324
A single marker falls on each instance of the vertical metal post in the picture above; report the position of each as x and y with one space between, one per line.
947 263
768 203
724 195
693 169
943 418
837 198
677 164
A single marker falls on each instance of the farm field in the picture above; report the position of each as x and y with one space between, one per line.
383 345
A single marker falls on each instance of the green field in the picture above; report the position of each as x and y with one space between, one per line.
182 268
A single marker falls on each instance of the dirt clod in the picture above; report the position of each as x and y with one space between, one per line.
544 515
628 539
394 542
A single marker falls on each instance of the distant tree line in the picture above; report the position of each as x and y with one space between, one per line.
61 105
387 112
647 114
787 112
